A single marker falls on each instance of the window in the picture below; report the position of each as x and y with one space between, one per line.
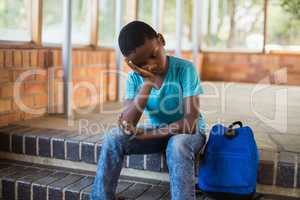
232 25
187 25
107 22
283 27
15 20
145 11
81 17
169 24
53 21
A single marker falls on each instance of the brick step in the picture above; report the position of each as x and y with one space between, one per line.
27 181
68 145
84 149
37 182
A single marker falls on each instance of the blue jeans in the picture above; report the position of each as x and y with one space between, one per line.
180 151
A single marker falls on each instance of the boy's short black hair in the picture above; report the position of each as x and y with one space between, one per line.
133 35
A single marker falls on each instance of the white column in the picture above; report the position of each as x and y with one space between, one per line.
196 31
179 26
67 58
119 23
155 15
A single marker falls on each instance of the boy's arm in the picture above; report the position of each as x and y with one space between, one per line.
191 115
186 125
134 108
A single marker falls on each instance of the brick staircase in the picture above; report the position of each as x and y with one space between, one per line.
45 151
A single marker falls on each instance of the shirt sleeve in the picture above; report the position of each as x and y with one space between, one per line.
190 81
131 87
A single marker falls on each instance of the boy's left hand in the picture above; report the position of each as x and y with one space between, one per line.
143 72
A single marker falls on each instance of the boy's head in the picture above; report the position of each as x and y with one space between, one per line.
140 43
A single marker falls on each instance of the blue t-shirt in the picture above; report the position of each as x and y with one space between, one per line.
165 105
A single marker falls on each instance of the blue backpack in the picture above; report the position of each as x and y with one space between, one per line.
230 161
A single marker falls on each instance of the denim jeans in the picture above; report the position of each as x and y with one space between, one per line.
180 152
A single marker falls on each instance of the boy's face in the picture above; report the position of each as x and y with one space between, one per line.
150 56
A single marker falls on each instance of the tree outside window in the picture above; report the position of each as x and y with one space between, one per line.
15 20
232 25
145 11
107 20
283 25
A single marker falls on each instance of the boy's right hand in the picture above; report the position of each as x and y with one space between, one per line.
148 76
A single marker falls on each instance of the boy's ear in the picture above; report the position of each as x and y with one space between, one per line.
161 39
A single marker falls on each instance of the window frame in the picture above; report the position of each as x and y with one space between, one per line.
36 12
243 50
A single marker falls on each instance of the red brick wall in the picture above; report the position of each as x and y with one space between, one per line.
90 78
252 68
91 81
33 90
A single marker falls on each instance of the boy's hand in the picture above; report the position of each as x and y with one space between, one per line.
144 73
128 128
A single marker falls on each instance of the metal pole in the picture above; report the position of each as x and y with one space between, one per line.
179 6
155 15
196 31
119 23
67 58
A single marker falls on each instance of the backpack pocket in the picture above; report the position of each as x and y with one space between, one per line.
230 170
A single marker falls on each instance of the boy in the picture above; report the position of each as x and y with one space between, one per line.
167 89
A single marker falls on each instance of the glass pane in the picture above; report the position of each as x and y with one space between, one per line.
232 24
187 25
145 11
81 18
53 21
107 22
283 27
169 24
15 20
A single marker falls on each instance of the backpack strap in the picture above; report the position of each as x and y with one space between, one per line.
235 123
230 133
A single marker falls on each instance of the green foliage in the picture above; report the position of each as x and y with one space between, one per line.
292 7
12 14
284 23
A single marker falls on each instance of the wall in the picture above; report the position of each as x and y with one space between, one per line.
33 91
95 80
252 68
43 90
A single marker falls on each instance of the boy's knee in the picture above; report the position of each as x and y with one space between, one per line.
178 146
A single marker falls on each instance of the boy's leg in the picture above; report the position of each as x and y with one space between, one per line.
180 153
115 145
